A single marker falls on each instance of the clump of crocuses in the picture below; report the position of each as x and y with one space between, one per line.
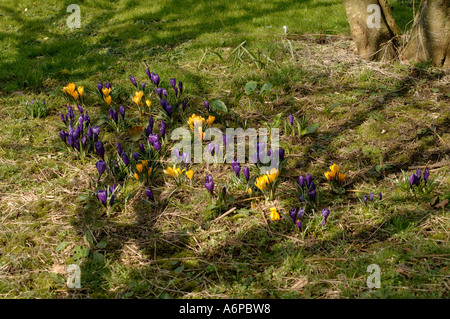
107 197
370 198
307 188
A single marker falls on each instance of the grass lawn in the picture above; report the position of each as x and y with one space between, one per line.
378 122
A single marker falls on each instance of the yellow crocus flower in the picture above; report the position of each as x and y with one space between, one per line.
139 168
108 99
273 174
274 215
136 175
341 177
145 163
74 95
190 174
334 169
169 171
329 175
250 192
210 120
261 182
80 91
106 91
148 102
195 120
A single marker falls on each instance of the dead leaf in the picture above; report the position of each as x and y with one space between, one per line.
442 204
135 132
302 282
58 269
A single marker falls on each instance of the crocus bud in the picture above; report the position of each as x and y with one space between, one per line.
291 119
108 85
414 180
100 149
86 118
281 153
371 196
301 181
300 198
365 199
80 109
236 167
169 109
224 191
325 214
159 92
63 119
162 129
90 133
96 131
143 86
101 167
206 103
147 71
426 175
308 180
149 193
418 173
150 125
247 173
164 92
186 158
102 197
84 140
180 87
100 87
184 105
293 214
299 224
141 148
62 135
119 148
133 80
172 82
156 79
381 195
125 159
122 111
135 156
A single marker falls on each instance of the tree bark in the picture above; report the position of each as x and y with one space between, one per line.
430 35
429 38
372 43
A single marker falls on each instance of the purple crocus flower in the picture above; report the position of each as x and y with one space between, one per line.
325 214
112 191
149 193
95 131
426 175
300 214
308 179
84 140
312 194
211 148
162 129
133 80
150 124
77 145
299 224
180 87
177 154
122 111
209 184
312 186
226 139
136 156
414 180
186 158
281 153
371 196
108 85
119 148
101 167
147 71
176 91
184 105
153 138
164 92
169 109
206 103
236 167
293 213
62 135
300 198
141 148
86 118
70 114
291 119
156 79
173 82
100 87
157 146
102 197
301 181
365 199
80 109
125 159
143 86
224 191
114 115
70 140
100 149
63 119
247 173
381 195
418 173
159 92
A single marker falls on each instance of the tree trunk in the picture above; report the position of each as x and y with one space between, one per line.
373 41
430 35
429 39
